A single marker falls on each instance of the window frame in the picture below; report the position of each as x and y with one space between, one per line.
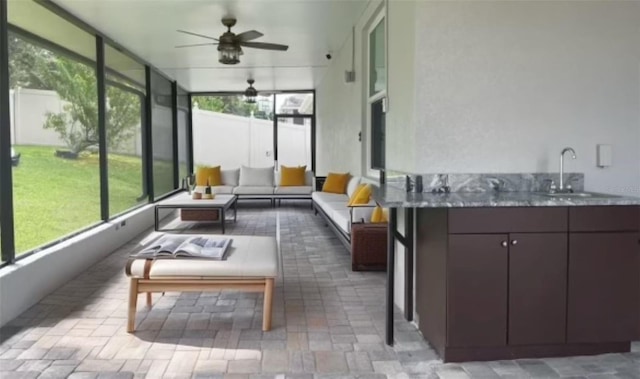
379 16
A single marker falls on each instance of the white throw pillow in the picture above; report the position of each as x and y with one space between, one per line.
230 177
251 176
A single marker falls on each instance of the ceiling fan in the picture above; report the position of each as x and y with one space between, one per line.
230 44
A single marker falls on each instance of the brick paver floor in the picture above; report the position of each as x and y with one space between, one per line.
328 323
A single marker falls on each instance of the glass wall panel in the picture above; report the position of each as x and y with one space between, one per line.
183 142
125 96
162 135
229 132
54 113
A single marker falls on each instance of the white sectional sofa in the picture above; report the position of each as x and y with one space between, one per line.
261 183
339 216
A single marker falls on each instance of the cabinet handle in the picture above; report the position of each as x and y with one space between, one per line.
504 243
514 242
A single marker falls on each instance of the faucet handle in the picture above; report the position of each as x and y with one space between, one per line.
551 185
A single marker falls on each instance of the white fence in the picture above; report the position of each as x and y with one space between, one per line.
232 141
29 108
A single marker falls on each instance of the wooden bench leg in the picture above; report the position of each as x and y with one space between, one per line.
149 300
268 302
133 301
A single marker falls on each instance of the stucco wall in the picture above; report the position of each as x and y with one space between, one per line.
504 86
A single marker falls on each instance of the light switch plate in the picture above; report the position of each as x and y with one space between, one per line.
605 155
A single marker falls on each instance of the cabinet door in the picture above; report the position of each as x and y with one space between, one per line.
477 290
537 288
603 287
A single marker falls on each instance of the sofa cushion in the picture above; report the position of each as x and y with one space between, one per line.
361 195
258 177
336 183
291 176
206 175
293 190
352 185
223 190
253 190
342 219
322 198
230 177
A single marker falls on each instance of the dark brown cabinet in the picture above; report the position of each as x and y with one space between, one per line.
537 283
503 283
603 287
477 291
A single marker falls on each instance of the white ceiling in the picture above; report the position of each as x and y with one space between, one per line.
311 28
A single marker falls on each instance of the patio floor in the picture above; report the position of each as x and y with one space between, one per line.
328 323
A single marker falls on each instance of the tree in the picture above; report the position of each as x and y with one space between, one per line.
232 104
26 63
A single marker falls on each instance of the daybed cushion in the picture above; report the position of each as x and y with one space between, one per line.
293 190
258 177
248 257
253 190
341 219
230 177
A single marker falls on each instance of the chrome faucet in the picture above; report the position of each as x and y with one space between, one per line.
561 187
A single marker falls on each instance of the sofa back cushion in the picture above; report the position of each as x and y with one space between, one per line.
252 176
352 185
230 177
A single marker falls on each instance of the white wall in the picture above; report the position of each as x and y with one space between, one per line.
402 102
340 114
504 86
27 281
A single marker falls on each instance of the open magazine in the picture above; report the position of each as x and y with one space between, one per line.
185 246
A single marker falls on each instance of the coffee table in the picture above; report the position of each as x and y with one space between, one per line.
184 201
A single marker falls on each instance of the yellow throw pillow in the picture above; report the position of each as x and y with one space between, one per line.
210 175
292 176
336 183
361 195
379 215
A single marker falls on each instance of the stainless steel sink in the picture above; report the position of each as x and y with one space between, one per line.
579 195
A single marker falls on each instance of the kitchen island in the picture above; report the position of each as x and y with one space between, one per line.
521 274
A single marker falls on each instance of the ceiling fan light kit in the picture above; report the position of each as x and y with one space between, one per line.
229 54
250 94
230 44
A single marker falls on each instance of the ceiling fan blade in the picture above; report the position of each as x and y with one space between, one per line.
196 34
266 46
248 35
197 44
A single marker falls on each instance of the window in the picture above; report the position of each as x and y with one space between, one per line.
294 115
377 89
53 91
162 135
125 98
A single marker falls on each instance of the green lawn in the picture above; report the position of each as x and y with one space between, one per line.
54 197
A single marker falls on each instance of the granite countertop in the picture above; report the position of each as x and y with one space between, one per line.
393 197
